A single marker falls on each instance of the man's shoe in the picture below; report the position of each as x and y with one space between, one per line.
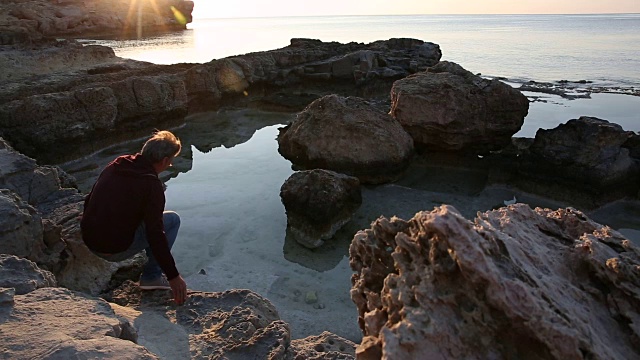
160 283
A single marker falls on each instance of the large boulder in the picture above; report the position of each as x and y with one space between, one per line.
318 203
447 108
57 323
587 152
514 283
347 135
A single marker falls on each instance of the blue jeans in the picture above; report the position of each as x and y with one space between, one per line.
151 269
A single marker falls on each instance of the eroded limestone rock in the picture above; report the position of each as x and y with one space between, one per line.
350 136
448 108
325 346
318 203
514 283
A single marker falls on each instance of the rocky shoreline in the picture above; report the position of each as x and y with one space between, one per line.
489 285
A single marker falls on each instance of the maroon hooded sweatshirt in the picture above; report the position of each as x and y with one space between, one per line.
127 193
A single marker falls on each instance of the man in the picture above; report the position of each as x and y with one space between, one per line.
124 214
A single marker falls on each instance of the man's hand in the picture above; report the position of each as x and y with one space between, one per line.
179 289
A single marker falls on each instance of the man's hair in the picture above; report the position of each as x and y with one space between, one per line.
161 145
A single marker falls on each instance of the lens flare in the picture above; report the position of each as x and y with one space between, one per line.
182 20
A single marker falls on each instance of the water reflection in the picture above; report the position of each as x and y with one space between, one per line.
324 258
225 185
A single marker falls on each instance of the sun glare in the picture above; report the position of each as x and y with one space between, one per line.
137 8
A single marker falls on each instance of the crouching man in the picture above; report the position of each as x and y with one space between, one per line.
124 214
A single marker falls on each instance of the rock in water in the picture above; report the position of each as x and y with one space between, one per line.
318 203
447 108
350 136
587 154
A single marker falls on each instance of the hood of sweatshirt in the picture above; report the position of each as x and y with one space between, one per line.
133 166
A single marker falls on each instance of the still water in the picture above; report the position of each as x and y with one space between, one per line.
226 183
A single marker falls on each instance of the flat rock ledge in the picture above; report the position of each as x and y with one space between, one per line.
515 283
234 324
89 102
57 323
40 320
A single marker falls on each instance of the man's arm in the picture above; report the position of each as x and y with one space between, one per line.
179 289
159 245
154 227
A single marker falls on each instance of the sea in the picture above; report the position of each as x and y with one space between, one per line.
603 48
226 182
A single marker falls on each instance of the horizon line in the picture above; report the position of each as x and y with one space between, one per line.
449 14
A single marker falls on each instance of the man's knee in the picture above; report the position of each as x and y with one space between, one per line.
171 219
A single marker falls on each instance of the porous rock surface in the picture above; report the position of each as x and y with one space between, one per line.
447 108
347 135
23 275
56 323
235 324
515 282
318 203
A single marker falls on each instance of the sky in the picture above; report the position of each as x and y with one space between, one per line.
260 8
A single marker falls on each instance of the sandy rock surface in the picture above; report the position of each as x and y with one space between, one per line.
514 283
23 275
18 64
235 324
20 226
57 323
